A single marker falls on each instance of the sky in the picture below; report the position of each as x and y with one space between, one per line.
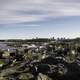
24 19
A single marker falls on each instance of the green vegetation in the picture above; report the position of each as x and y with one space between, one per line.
40 59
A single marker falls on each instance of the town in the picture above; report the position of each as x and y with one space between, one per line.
40 59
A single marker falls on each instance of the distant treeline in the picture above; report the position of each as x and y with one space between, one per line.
27 40
42 40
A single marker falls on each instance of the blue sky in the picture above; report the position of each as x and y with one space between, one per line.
21 19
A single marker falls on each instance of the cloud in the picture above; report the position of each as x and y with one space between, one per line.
16 11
